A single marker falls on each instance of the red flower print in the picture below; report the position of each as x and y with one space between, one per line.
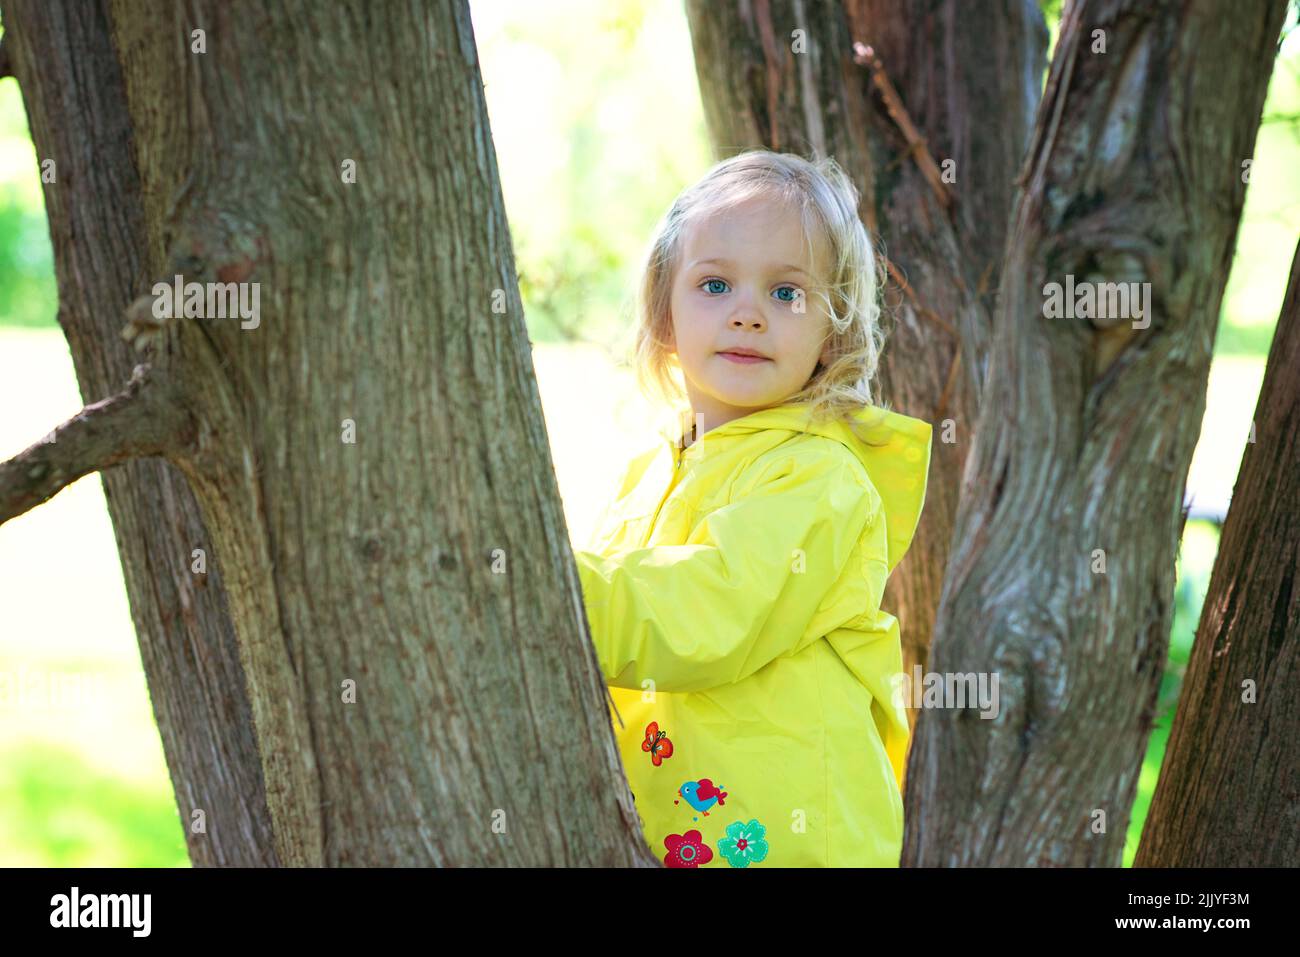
657 743
687 850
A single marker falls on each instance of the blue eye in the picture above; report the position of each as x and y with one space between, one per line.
712 282
794 293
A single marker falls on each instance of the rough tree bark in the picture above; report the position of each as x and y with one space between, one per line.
1133 174
782 75
426 561
1229 789
72 87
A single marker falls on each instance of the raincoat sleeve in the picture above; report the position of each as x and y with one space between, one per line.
746 588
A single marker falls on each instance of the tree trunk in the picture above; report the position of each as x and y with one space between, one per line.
368 452
1061 580
1229 790
68 72
782 75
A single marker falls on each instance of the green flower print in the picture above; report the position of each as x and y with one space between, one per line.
744 844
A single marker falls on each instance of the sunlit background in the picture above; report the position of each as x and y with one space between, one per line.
597 122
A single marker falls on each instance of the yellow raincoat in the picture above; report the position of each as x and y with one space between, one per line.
733 590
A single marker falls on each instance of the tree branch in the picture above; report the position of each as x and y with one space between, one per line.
864 55
6 67
143 419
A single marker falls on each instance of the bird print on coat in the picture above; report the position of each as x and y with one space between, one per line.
702 795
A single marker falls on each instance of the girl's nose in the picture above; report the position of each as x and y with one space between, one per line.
747 317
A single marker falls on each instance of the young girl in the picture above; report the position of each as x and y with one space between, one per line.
733 586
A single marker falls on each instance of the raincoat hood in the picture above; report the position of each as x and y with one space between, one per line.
892 447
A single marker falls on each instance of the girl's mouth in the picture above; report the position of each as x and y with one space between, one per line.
744 359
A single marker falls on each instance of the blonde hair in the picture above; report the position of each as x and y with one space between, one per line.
827 202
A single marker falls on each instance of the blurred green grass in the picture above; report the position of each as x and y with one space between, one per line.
594 137
61 811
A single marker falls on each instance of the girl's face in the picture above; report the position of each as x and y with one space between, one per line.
745 282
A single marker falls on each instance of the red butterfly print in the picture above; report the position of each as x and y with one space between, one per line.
657 743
